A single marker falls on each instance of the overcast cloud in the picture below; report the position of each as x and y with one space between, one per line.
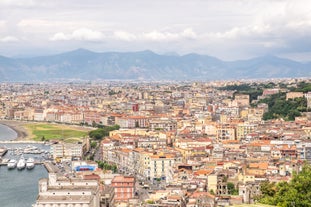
228 29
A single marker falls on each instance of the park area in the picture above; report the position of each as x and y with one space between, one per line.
49 131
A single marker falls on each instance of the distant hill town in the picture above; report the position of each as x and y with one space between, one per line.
83 64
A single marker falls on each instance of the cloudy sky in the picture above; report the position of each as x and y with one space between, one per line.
227 29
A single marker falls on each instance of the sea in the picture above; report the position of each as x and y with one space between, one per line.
19 188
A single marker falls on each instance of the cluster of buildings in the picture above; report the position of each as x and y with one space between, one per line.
179 144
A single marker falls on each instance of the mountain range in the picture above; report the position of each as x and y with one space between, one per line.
83 64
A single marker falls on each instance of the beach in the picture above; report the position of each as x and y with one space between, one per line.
18 127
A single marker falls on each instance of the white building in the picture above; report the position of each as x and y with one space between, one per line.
65 192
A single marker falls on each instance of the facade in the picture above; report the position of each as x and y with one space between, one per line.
64 192
244 129
242 99
225 132
124 189
293 95
69 151
161 167
308 97
163 124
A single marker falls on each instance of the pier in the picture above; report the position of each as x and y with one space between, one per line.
5 162
21 142
50 167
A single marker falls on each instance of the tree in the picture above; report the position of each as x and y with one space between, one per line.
297 192
93 144
231 189
279 107
102 132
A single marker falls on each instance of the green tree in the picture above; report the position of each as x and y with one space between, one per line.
297 192
231 189
279 107
93 144
102 132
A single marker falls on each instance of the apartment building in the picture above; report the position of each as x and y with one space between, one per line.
124 189
69 151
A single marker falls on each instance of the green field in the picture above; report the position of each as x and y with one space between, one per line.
253 205
55 132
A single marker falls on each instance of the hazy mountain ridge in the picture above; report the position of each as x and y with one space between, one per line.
145 65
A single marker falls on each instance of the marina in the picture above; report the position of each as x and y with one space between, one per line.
21 186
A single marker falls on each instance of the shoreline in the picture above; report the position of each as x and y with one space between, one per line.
17 126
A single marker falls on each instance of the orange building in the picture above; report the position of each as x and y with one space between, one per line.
124 188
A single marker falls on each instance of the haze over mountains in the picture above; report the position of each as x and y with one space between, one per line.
83 64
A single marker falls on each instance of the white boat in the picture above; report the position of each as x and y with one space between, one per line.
12 164
30 163
21 163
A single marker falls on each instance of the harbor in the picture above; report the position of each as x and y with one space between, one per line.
11 153
20 187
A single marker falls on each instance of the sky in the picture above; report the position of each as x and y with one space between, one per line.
227 29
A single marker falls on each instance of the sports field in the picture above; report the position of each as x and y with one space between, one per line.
47 131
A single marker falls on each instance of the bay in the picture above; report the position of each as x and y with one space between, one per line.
6 133
18 188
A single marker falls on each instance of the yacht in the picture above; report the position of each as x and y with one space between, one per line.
12 164
21 163
30 163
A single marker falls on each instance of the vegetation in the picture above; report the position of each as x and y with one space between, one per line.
111 92
102 132
231 189
93 144
279 107
45 132
297 192
150 202
303 87
106 166
252 90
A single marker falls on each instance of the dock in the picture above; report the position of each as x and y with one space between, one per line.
50 167
21 142
3 151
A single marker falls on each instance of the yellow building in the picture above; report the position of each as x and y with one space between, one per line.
212 182
293 95
242 99
244 129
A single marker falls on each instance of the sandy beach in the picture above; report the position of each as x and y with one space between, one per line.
18 127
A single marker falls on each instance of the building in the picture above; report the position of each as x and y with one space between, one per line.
69 151
308 97
225 132
64 192
293 95
242 99
124 189
161 166
163 124
244 129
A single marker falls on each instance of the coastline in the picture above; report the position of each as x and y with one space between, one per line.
18 127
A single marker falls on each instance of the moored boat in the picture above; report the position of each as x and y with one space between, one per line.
21 163
30 163
12 164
